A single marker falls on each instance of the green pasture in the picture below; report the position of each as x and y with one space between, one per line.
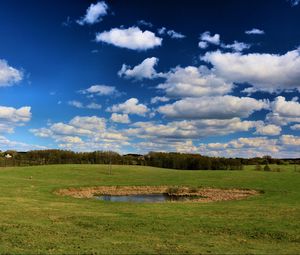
34 220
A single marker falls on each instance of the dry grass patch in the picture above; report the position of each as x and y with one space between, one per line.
201 194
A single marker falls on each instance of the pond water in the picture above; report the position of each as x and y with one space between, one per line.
144 198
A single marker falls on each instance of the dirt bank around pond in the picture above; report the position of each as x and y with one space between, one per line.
200 194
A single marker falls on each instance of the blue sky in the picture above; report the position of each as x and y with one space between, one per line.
211 77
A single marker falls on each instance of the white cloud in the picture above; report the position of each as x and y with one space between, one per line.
290 140
69 139
193 129
213 39
268 130
155 100
219 107
100 90
162 30
78 126
76 104
92 123
163 145
11 114
194 82
94 106
145 23
87 133
283 112
12 117
131 38
7 144
141 71
41 132
254 31
265 72
290 109
69 130
243 147
173 34
94 13
203 45
284 146
80 105
9 75
236 46
120 118
131 106
295 127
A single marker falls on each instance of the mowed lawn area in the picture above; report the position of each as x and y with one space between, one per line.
35 220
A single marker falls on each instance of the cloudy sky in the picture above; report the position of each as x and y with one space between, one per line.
211 77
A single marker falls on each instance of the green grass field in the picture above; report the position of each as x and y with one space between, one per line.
34 220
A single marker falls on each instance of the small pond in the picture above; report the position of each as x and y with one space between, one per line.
144 198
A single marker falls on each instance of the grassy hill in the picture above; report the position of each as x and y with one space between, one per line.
34 220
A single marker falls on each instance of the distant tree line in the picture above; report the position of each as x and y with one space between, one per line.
158 159
191 161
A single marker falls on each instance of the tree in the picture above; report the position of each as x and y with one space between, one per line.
267 168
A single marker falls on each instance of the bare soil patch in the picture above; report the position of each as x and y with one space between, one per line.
202 194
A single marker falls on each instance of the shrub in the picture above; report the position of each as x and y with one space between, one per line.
173 190
258 167
267 168
193 190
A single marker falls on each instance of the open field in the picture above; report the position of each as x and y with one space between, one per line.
35 220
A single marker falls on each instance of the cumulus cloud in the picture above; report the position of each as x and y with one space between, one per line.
131 38
120 118
295 127
94 106
144 70
83 133
265 72
100 90
11 114
173 34
236 46
207 37
268 130
243 147
283 147
157 99
80 105
7 144
92 123
283 112
286 108
131 106
75 103
218 107
94 13
145 23
194 82
203 45
167 145
192 129
9 75
254 31
12 117
290 140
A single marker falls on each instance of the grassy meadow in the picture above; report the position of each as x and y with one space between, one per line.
34 220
